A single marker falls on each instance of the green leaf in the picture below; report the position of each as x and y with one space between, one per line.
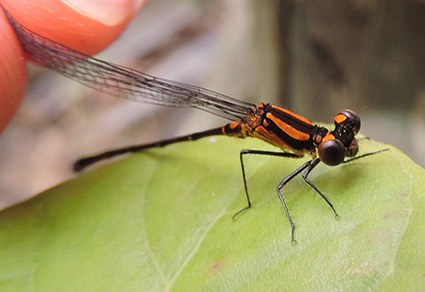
161 220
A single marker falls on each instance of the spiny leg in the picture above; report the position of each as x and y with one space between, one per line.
256 152
280 195
312 165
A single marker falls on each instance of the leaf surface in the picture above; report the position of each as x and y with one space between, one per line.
161 220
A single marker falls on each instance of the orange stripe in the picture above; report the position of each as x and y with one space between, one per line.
294 133
269 137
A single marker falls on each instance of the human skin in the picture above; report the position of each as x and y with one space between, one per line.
88 26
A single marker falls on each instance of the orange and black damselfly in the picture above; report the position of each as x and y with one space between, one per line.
293 134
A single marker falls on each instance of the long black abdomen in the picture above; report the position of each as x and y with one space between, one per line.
84 162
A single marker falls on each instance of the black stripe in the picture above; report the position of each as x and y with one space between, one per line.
291 120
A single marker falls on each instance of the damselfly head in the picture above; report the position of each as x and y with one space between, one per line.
333 151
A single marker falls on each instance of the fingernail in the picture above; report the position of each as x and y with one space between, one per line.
108 12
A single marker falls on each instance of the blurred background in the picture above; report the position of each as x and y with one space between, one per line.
314 57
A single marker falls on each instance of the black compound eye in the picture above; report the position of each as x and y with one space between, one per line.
353 118
332 152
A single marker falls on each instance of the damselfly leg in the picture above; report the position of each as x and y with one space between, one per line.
307 166
256 152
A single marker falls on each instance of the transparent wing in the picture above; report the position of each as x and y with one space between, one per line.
125 82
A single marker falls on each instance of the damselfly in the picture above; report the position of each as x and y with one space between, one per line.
295 135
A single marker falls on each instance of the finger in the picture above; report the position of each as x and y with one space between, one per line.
13 75
87 26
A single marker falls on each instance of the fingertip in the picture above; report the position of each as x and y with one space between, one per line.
87 26
112 12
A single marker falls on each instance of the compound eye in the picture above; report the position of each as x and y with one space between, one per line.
332 152
353 117
353 149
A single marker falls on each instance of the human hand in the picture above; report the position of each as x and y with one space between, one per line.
85 25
